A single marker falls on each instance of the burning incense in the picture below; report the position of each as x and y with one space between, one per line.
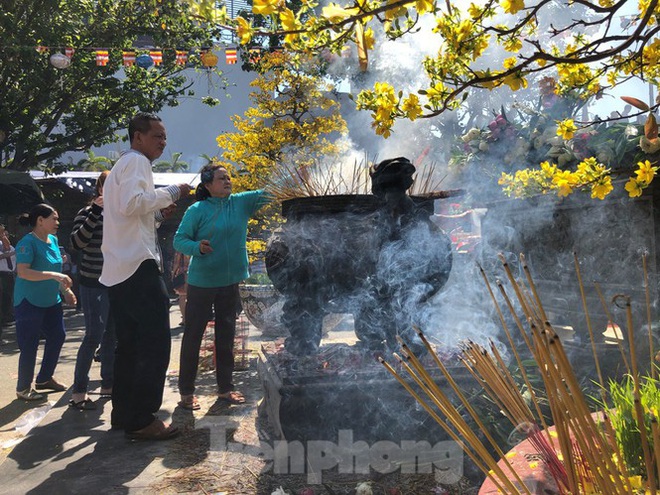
648 308
589 460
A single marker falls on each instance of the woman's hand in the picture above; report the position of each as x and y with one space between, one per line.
70 297
205 246
64 280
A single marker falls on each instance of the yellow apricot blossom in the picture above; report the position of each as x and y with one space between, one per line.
602 188
566 129
475 11
564 181
411 107
264 7
424 6
645 172
512 6
515 81
336 13
634 188
243 31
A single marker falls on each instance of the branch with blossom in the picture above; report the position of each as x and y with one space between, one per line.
586 45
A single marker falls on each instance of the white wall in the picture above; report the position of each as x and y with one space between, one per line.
193 126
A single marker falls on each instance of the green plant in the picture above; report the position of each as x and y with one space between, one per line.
624 421
258 279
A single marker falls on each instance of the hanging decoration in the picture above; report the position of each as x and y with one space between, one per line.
181 57
102 57
156 56
231 55
62 56
209 59
128 58
59 60
144 61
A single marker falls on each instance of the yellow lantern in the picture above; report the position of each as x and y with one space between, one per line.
209 59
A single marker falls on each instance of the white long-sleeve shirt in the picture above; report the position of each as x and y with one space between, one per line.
4 266
130 202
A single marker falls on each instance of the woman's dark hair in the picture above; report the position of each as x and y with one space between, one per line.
41 210
206 175
141 123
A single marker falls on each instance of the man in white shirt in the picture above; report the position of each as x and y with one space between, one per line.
7 277
132 270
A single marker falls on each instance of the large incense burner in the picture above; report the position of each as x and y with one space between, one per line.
376 256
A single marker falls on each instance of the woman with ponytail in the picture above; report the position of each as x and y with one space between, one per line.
40 285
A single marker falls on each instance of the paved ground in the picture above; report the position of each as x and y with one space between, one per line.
71 451
222 449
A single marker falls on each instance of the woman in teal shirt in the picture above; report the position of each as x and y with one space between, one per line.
213 233
37 301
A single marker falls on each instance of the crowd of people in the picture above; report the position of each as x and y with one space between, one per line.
122 289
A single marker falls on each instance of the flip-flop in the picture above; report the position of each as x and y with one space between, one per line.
83 405
232 397
190 403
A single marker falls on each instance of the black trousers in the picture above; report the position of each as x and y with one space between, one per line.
7 296
200 300
140 308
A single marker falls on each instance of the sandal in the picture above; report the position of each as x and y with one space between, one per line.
233 397
83 405
189 402
29 394
156 430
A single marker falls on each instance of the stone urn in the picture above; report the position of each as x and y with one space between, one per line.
262 305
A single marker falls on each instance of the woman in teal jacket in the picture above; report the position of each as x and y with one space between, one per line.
213 233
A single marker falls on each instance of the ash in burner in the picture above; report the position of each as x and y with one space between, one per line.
376 256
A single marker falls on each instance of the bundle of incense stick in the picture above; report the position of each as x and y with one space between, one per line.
288 181
584 457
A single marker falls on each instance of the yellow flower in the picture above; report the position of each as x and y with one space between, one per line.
512 6
509 62
288 19
411 107
474 11
369 39
566 129
645 172
515 81
602 188
424 6
634 188
243 31
335 13
264 7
